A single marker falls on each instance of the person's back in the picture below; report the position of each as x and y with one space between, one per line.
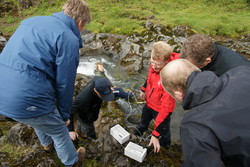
217 126
29 67
37 74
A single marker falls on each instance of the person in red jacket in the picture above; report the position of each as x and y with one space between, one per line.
159 104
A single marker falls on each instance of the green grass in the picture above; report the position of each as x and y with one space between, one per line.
211 17
15 151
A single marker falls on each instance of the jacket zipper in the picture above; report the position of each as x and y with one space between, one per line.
151 92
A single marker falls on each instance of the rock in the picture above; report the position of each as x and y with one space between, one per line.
25 4
5 159
22 135
1 133
7 7
3 42
37 158
80 82
182 31
47 163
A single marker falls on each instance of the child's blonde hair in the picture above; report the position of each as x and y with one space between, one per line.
160 50
98 63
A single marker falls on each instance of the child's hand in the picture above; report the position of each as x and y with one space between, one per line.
143 95
156 144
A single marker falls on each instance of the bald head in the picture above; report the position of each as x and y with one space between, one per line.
174 75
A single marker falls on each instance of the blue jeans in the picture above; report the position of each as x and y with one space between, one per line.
51 128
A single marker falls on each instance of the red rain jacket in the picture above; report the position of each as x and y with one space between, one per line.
156 97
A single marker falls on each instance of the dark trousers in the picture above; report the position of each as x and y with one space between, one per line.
85 129
164 128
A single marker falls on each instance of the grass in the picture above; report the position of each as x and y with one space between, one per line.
211 17
15 151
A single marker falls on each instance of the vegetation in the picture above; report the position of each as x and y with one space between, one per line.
212 17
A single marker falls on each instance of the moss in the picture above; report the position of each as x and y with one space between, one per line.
6 126
14 151
114 113
90 163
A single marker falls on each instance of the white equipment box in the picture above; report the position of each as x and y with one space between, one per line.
135 151
119 133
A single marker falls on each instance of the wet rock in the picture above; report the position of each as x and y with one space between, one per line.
22 135
131 59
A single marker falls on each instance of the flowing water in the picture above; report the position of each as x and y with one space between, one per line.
127 82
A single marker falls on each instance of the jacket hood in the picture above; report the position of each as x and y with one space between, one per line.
71 24
202 87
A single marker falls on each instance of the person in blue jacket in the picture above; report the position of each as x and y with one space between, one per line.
37 73
215 131
210 56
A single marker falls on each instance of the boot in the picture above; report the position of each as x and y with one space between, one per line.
49 148
81 155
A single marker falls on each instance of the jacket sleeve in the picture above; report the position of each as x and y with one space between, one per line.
75 109
167 107
200 146
143 88
67 60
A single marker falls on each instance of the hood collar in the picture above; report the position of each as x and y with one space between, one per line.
202 87
70 23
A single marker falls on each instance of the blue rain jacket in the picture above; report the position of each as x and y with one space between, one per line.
38 67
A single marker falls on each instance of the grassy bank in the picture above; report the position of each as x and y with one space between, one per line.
212 17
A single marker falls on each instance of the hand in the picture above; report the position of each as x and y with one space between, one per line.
73 135
143 95
156 143
67 122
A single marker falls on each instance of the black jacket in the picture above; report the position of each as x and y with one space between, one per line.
87 105
217 127
225 59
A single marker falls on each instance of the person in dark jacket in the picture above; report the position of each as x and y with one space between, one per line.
207 55
215 132
118 92
37 74
159 104
87 106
